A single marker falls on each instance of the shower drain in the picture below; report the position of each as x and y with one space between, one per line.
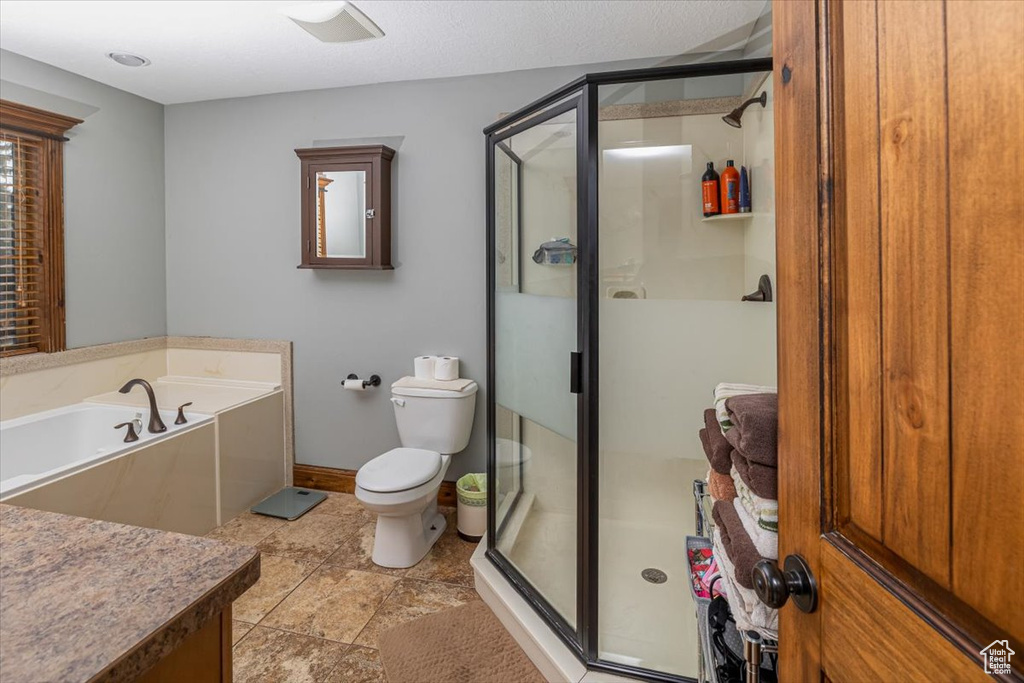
652 575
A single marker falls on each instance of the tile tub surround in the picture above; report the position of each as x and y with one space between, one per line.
207 397
190 481
41 389
32 362
16 365
87 600
35 382
170 485
250 433
180 362
320 604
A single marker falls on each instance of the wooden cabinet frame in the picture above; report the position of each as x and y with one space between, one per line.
375 161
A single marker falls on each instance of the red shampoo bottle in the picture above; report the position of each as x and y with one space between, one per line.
730 188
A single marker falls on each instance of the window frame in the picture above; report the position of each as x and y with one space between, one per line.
46 130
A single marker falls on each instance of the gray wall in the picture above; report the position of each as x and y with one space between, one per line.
232 183
113 201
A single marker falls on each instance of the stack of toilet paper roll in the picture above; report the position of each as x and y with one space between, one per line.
444 368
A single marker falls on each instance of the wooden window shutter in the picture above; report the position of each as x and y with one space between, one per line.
31 229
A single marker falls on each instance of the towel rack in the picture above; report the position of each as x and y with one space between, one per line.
755 646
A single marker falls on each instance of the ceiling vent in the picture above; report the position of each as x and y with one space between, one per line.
334 22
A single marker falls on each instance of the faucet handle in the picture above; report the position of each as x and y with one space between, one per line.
180 420
130 435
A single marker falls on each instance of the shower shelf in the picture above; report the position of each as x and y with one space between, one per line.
727 218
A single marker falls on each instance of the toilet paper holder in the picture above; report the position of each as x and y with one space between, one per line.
374 380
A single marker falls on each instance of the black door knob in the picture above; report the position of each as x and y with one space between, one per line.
774 586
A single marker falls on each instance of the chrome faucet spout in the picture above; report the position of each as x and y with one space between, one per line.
156 425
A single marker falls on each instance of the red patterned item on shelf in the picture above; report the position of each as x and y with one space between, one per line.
704 570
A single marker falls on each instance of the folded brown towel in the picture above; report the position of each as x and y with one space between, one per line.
737 543
762 480
755 419
715 446
721 486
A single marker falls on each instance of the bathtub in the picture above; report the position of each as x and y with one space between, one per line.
48 446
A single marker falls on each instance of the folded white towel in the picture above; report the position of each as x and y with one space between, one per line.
726 391
424 383
764 510
749 612
766 542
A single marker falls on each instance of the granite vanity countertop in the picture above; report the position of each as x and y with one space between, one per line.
83 600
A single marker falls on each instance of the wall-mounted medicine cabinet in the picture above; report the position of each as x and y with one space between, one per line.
346 207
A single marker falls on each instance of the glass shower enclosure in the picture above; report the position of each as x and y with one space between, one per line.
614 309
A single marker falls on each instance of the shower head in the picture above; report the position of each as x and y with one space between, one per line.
733 117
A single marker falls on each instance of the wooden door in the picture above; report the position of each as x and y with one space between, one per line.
900 219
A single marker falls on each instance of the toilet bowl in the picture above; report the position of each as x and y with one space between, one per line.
401 485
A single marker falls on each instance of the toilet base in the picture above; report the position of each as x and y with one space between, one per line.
402 541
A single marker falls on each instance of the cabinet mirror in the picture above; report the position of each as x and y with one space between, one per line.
346 207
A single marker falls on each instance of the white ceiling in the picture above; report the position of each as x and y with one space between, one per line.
218 49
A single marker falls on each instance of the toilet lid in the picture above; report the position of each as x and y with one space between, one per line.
399 469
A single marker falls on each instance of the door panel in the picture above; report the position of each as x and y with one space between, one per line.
915 377
901 413
987 272
948 260
859 296
535 318
869 635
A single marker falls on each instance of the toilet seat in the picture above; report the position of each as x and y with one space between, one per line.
400 469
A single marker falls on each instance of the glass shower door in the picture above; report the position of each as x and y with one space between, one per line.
672 325
534 319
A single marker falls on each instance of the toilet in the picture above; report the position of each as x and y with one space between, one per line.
401 486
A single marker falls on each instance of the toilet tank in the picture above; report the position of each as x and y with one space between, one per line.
435 419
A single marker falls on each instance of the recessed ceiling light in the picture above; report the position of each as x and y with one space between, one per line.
333 22
128 59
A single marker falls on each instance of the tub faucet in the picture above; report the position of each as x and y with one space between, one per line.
156 425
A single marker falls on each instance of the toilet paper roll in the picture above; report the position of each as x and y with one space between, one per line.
424 367
353 385
446 368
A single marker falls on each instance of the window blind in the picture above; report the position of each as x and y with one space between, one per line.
31 228
23 244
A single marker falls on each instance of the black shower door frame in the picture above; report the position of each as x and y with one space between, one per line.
581 95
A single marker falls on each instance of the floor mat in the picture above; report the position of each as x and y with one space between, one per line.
463 645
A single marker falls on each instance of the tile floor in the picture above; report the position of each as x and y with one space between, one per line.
320 604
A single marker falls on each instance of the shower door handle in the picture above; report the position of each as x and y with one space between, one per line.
575 369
